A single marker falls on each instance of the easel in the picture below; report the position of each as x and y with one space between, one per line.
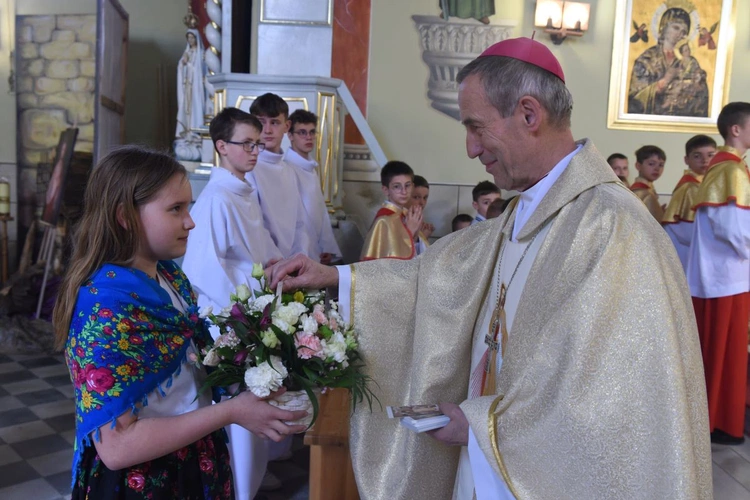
46 254
4 246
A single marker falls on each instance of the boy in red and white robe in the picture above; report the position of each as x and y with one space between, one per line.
719 275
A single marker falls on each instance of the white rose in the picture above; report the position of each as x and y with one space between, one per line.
335 347
309 325
257 272
211 359
243 293
265 378
206 311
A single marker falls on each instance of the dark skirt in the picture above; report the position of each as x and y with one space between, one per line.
200 471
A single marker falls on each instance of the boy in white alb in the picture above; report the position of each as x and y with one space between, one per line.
275 180
302 133
679 214
228 238
229 235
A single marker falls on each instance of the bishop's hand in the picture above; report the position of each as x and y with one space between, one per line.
456 433
301 272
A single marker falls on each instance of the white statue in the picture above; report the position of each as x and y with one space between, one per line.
191 97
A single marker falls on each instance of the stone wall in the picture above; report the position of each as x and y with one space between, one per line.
55 90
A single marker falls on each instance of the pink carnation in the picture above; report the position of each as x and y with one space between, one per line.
307 345
333 324
320 315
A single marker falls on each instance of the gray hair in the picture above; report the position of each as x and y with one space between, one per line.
507 80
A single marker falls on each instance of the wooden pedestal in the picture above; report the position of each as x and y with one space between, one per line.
331 474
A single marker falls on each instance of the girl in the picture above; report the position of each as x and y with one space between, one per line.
128 321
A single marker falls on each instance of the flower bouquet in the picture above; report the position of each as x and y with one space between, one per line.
295 340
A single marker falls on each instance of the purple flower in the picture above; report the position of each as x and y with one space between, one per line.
238 313
265 320
240 357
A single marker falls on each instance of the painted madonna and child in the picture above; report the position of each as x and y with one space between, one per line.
666 79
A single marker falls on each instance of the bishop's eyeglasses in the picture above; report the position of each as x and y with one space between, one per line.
249 146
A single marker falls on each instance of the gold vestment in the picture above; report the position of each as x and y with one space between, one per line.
680 208
389 238
644 189
727 180
593 400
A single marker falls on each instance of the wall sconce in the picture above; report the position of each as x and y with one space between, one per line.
562 19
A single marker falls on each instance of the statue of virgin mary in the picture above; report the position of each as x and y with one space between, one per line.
191 94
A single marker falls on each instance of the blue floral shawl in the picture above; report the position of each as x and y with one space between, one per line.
125 340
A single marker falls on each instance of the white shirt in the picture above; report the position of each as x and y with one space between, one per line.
680 233
280 203
229 236
478 218
719 257
318 223
529 200
182 395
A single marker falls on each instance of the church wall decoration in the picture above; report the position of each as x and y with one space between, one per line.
671 63
447 45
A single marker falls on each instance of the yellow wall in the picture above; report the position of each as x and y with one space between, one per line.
410 130
157 36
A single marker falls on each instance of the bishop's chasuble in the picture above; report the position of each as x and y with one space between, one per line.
644 189
679 215
589 402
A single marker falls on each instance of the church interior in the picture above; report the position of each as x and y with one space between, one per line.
78 77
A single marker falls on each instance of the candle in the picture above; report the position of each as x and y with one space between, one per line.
4 196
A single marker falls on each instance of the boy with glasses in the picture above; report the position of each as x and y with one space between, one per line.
275 180
229 234
302 134
229 237
396 228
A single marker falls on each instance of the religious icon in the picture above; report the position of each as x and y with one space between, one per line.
706 37
641 33
661 81
678 81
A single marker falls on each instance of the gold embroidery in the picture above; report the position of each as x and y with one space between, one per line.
351 295
495 448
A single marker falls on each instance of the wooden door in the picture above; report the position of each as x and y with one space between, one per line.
111 71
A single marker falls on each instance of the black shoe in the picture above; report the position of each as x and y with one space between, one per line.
721 437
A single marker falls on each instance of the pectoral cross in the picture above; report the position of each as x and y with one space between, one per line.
497 326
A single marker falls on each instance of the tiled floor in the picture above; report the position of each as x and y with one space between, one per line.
37 432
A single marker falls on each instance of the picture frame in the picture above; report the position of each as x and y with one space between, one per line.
671 64
56 188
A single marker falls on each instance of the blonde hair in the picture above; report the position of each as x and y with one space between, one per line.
127 178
